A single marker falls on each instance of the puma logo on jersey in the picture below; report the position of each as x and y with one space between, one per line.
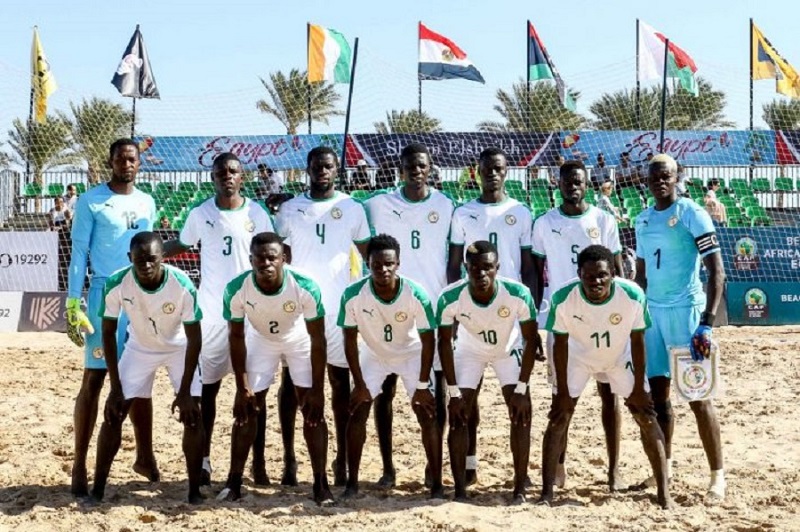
463 315
251 305
128 299
155 327
365 311
302 211
556 231
474 217
398 213
209 222
109 205
579 318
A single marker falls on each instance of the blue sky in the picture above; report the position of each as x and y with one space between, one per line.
207 56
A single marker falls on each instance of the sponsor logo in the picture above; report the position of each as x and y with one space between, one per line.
745 256
511 219
336 213
504 312
579 318
615 318
593 232
463 315
474 217
755 304
400 317
210 223
44 311
289 306
250 304
370 312
399 214
168 308
556 231
433 217
128 300
302 211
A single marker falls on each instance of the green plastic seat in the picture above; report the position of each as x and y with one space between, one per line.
757 221
784 184
513 184
164 189
294 187
55 189
632 203
146 187
539 184
756 211
518 194
738 221
748 201
207 188
187 187
32 190
740 187
80 188
629 192
760 184
360 195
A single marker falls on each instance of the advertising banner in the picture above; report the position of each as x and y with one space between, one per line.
28 261
43 311
761 254
763 303
10 305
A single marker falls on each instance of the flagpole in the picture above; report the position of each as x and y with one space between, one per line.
638 84
419 78
751 91
30 123
528 78
308 83
343 175
663 96
133 119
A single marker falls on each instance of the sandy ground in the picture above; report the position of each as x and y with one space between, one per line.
40 374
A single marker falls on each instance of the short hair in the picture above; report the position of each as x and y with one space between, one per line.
121 143
264 238
414 148
595 253
262 166
223 158
713 182
383 242
666 160
492 152
145 238
319 151
606 186
480 247
566 169
71 186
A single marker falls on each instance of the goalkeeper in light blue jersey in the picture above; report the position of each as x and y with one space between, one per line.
106 218
672 238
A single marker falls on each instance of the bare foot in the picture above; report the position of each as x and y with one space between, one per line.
289 477
615 482
350 492
666 503
518 499
148 471
388 480
80 484
437 492
229 494
460 496
324 497
260 477
339 472
195 497
472 477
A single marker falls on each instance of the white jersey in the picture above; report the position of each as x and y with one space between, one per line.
559 238
278 318
156 318
507 225
321 234
390 330
486 329
224 235
422 228
599 333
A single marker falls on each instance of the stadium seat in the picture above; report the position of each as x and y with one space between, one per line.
452 189
470 194
761 221
748 201
518 194
32 190
540 204
513 184
760 184
651 201
361 195
540 184
632 203
55 189
165 189
738 221
756 211
207 188
629 192
80 188
294 187
146 187
784 184
187 187
740 187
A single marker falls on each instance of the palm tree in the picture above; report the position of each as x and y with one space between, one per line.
42 146
411 121
536 110
289 99
782 114
97 124
615 111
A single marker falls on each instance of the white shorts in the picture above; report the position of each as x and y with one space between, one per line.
335 339
471 365
264 358
551 368
375 370
215 356
619 376
138 370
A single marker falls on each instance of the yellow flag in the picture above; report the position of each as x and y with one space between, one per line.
356 264
768 64
42 81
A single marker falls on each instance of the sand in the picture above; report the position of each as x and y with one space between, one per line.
40 375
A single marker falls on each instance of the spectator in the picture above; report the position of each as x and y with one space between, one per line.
553 171
359 178
269 182
435 177
716 209
600 173
59 216
644 166
627 175
385 176
470 178
629 263
164 223
71 197
604 201
682 183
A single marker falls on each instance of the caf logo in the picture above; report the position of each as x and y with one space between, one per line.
97 352
433 217
289 306
336 213
511 219
672 221
755 304
755 296
249 226
615 319
504 312
593 232
745 254
401 317
168 308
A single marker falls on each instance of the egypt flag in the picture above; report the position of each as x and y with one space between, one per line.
329 55
441 58
651 59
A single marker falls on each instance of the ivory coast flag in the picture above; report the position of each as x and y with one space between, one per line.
651 59
43 82
329 55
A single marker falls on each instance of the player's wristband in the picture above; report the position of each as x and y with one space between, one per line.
422 385
454 391
707 318
521 388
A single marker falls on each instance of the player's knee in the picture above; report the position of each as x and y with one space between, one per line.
663 410
701 407
644 419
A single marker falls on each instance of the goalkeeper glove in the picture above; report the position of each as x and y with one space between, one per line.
76 321
700 347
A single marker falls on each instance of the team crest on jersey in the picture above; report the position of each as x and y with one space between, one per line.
511 219
168 308
249 226
336 213
615 318
504 312
289 306
400 317
433 217
97 352
672 221
593 232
